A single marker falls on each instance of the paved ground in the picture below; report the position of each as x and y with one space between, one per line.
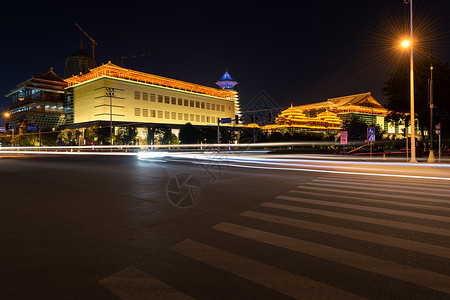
120 228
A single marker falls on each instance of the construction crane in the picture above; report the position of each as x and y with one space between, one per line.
94 43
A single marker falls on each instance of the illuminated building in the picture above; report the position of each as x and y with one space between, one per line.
329 115
227 82
143 99
38 101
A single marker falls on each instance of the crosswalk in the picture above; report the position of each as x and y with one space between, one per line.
391 237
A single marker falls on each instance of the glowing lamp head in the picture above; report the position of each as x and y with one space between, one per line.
406 44
6 115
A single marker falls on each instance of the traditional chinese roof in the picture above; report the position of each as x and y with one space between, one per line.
47 81
363 103
112 70
226 81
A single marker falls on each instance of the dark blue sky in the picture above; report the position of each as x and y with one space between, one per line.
299 52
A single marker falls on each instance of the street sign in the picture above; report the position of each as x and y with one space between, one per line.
344 137
371 134
225 120
32 128
2 129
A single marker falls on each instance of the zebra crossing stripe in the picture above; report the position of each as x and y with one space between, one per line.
133 284
354 234
371 200
370 220
424 278
282 281
368 208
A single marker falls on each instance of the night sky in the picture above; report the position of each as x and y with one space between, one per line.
298 53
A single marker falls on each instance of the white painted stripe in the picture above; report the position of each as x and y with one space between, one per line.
378 194
424 278
367 208
370 220
396 189
400 180
388 184
354 234
133 284
268 276
370 200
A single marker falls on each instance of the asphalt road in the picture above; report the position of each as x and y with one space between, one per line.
76 227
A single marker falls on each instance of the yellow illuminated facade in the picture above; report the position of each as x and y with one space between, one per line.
329 115
141 98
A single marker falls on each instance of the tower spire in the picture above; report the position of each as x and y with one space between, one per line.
226 81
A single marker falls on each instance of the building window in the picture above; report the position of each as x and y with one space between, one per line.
223 107
137 112
153 113
203 105
197 104
145 112
180 101
192 103
207 119
213 106
186 117
203 119
186 102
160 98
229 107
192 117
174 115
213 119
137 95
180 116
197 118
152 97
144 96
208 105
160 114
174 101
166 99
166 115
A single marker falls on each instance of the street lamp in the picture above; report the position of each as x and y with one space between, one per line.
409 44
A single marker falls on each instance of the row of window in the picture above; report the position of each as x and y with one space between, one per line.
178 101
173 115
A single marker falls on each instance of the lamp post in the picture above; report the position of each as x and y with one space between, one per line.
411 46
110 93
430 101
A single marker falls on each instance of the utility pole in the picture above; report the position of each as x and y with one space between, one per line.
110 94
430 101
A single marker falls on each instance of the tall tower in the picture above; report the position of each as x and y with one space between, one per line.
227 82
78 62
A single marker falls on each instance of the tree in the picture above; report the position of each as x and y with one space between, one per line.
397 90
69 136
98 135
125 135
189 134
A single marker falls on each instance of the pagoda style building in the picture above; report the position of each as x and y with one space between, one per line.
226 82
39 101
329 115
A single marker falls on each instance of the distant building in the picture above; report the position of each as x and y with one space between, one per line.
39 101
143 99
329 115
79 62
